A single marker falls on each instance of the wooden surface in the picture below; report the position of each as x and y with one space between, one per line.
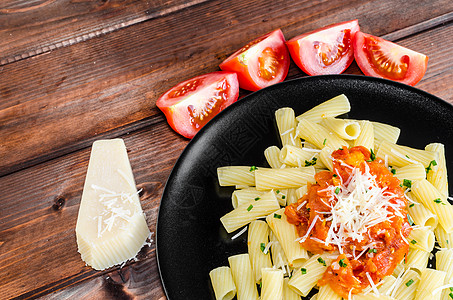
75 71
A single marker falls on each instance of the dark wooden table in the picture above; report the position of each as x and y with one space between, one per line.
74 71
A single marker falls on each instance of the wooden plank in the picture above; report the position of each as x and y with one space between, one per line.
58 102
69 22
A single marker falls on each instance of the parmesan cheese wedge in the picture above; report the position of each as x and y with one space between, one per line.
111 226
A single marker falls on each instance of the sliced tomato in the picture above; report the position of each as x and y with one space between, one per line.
381 58
260 63
189 105
327 50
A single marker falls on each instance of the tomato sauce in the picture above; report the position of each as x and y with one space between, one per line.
378 251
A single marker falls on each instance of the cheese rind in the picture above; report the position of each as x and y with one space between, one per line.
111 226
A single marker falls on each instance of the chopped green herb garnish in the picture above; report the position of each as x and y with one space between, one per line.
308 209
342 263
277 191
257 198
413 242
411 205
321 261
408 156
393 171
252 168
451 295
447 241
438 200
324 143
250 207
303 271
311 162
277 216
372 155
410 282
431 163
283 197
451 289
409 219
262 247
407 183
337 190
372 251
335 175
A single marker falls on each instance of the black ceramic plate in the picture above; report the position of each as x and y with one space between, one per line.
190 238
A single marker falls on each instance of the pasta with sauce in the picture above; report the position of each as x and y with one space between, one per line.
354 215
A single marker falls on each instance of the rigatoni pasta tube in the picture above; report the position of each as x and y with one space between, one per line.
422 216
444 239
241 269
300 157
417 259
319 135
257 242
287 235
400 156
245 196
288 293
326 157
408 285
306 277
278 255
327 293
411 172
366 136
444 262
286 123
247 212
236 175
437 174
267 179
422 238
222 283
272 155
385 132
272 284
345 129
435 201
331 108
430 280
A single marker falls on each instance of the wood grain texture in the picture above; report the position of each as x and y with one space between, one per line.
68 22
54 103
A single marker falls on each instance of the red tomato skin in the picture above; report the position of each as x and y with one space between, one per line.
248 71
418 63
303 53
176 108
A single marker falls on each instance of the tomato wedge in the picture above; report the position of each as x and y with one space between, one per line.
189 105
260 63
327 50
381 58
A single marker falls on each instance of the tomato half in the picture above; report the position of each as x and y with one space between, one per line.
327 50
260 63
381 58
189 105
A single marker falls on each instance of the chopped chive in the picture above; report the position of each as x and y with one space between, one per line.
451 295
408 156
311 162
277 216
451 289
335 175
308 209
250 207
303 271
410 282
372 251
257 198
413 242
409 219
411 205
283 197
372 155
342 263
277 191
447 241
407 183
324 143
262 247
321 261
438 200
431 163
252 168
337 190
393 171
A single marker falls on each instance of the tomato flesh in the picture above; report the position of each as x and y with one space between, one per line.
381 58
260 63
191 104
328 50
